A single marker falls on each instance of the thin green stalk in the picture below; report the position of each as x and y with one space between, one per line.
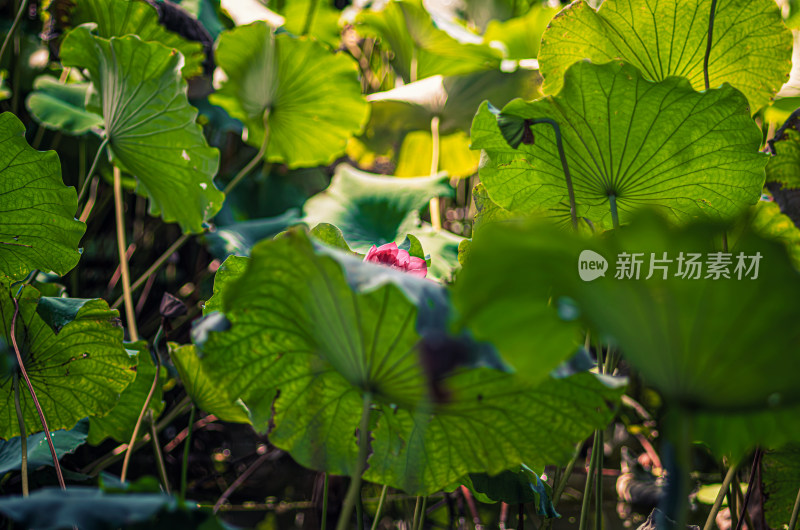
187 444
598 488
123 475
709 41
720 497
559 144
354 490
324 522
436 214
87 179
359 512
612 202
380 507
310 14
13 29
162 469
23 437
559 490
125 274
417 505
422 513
795 512
35 399
587 490
751 486
37 138
81 162
262 150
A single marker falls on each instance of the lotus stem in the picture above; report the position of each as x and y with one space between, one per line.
753 474
262 151
598 493
422 512
23 437
123 258
560 145
324 521
795 512
132 444
354 490
380 507
415 521
186 450
612 202
587 490
436 214
708 43
87 178
13 29
162 469
721 496
35 399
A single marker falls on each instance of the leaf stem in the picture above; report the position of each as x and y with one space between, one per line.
587 490
751 487
708 43
324 521
712 515
262 150
795 512
87 178
612 202
162 469
14 25
422 512
380 508
415 520
354 489
131 445
186 450
123 259
310 14
598 493
36 403
436 215
23 437
563 156
240 480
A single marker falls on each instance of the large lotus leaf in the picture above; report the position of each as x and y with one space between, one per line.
521 36
781 477
38 229
93 509
373 209
39 454
647 144
784 167
148 123
117 18
770 222
324 24
698 341
298 326
420 49
455 157
61 106
78 372
308 339
751 47
119 423
205 394
410 107
313 97
735 433
491 422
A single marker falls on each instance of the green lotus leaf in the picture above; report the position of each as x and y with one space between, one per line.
148 123
231 269
205 394
38 229
239 238
698 341
374 209
420 48
770 222
751 47
492 421
521 36
514 487
313 331
39 454
781 478
455 157
324 24
313 97
118 424
117 18
61 107
78 372
784 167
333 237
646 144
734 434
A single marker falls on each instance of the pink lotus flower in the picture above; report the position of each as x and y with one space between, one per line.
397 258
